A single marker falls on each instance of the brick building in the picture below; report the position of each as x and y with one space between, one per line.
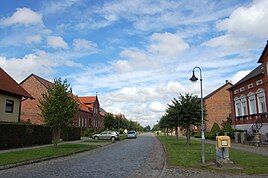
218 106
93 104
36 86
249 99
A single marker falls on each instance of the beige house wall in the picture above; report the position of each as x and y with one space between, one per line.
9 117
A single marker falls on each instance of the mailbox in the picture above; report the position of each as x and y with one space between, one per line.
223 142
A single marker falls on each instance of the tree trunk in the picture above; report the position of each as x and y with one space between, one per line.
188 135
177 134
56 136
167 132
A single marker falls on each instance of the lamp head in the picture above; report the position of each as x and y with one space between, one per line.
193 78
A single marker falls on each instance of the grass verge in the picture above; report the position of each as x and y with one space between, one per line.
180 154
95 141
43 152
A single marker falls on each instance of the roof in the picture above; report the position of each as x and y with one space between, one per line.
256 72
82 107
215 91
264 53
88 99
45 82
8 84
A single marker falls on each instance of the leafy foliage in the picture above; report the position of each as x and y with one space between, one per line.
115 122
228 128
215 128
183 112
58 107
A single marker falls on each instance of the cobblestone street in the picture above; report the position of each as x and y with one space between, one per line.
129 158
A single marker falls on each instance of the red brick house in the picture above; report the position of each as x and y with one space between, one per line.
249 98
218 106
12 95
30 112
92 103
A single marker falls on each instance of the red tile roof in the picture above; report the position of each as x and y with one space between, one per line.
8 84
88 99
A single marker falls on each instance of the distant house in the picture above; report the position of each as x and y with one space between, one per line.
30 112
12 95
92 103
218 106
249 98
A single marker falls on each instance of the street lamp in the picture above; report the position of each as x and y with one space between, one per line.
194 79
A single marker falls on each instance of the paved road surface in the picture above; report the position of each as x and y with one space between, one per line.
129 158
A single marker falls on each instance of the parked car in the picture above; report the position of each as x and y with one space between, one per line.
132 134
106 135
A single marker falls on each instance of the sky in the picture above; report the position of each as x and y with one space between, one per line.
136 55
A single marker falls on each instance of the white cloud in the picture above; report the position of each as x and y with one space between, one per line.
245 28
56 42
84 45
24 16
57 6
167 44
239 75
31 63
156 106
33 39
247 20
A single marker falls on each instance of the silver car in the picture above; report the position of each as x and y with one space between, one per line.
106 135
132 134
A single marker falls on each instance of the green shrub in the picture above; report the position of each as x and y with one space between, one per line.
197 135
210 135
215 128
228 128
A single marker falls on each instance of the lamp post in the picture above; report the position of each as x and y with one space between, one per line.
193 79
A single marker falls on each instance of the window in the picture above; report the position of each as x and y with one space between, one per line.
236 91
9 106
252 103
261 101
244 106
259 82
237 107
79 122
242 89
250 86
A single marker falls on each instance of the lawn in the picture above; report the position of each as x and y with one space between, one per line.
96 141
43 152
180 154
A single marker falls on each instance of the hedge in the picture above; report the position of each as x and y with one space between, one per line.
71 133
14 135
21 135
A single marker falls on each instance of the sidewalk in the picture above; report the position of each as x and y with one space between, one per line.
40 146
243 147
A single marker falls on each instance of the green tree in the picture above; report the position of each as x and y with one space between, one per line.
156 127
184 112
58 107
164 123
147 128
110 122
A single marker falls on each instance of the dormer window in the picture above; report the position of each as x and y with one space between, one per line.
242 89
259 82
